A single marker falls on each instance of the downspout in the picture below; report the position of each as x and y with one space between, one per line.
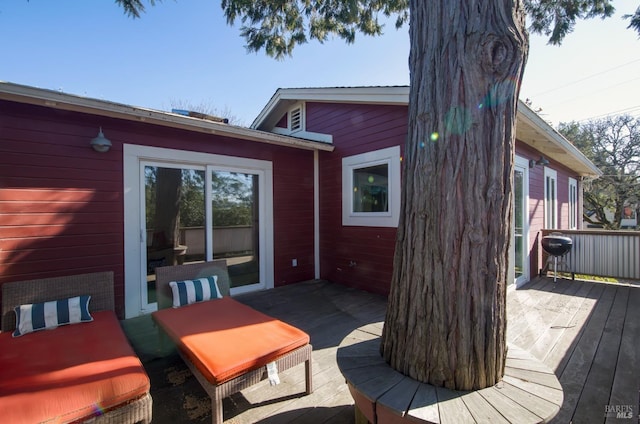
316 213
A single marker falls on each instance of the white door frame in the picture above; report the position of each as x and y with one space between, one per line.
522 165
135 238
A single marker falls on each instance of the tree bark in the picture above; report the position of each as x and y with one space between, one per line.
446 321
166 224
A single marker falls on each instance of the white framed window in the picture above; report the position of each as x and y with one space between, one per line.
550 198
573 204
371 188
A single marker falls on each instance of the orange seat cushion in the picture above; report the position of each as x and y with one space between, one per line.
68 373
224 338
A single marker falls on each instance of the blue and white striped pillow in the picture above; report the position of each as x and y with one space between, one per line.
192 291
52 314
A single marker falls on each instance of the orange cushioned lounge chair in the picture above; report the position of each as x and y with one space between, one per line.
226 344
85 371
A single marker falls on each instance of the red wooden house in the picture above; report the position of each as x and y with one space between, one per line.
66 208
367 127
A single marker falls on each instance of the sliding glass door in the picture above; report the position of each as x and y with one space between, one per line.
194 208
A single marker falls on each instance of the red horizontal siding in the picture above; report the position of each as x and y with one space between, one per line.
293 218
66 241
46 195
57 206
61 203
360 257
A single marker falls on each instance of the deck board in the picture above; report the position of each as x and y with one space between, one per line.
576 322
597 390
576 372
553 333
626 382
482 411
562 352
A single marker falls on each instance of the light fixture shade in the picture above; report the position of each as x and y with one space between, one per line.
100 143
543 161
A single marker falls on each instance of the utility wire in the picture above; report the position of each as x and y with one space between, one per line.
585 78
627 111
597 91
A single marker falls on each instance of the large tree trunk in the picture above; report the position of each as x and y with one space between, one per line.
446 320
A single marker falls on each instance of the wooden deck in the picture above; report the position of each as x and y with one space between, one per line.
588 333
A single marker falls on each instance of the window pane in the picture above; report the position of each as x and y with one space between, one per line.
573 205
371 189
174 208
236 231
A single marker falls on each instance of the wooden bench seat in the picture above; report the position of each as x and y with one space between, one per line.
529 392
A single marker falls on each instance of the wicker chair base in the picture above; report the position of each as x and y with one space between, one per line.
137 411
221 391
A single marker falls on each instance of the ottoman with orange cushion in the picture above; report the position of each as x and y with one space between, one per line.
226 344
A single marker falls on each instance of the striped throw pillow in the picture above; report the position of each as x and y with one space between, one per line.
192 291
52 314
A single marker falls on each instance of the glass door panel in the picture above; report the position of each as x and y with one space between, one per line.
519 220
174 219
235 229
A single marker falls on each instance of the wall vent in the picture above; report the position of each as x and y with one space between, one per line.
295 119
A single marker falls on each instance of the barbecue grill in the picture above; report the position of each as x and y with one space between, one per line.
557 246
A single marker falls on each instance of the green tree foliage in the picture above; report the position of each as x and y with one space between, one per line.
634 20
556 19
133 8
613 145
192 199
232 198
277 26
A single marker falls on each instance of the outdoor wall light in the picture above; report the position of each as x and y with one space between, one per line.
542 161
101 143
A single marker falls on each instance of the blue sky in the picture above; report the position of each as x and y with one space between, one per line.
184 51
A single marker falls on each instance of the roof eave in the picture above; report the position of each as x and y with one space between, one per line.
64 101
537 133
548 141
277 105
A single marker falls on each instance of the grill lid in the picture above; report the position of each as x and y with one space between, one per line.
556 245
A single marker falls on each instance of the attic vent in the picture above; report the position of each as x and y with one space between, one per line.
295 119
